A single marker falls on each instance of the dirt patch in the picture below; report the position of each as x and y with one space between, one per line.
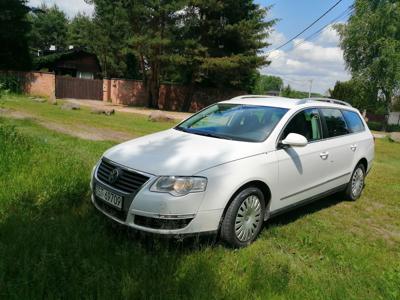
94 104
80 131
89 133
15 114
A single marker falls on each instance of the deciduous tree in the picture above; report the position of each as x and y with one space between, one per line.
267 83
371 44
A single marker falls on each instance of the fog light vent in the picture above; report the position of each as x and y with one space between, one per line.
156 223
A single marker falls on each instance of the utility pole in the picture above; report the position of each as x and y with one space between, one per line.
309 91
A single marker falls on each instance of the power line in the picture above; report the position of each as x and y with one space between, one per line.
308 27
346 13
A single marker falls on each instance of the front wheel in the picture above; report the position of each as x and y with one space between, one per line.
356 184
244 218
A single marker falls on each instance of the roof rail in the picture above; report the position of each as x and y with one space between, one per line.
254 97
329 100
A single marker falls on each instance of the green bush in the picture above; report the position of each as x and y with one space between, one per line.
392 128
374 125
377 126
10 83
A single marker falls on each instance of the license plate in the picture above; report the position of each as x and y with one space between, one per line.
109 197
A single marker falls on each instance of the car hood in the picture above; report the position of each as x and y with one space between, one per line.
173 152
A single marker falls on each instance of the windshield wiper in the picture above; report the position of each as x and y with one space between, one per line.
203 133
210 134
181 129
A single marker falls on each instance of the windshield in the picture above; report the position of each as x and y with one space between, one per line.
239 122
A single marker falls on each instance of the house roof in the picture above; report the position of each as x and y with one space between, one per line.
53 59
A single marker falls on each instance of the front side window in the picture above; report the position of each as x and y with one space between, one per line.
335 123
307 123
239 122
353 121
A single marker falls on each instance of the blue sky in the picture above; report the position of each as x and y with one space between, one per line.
318 59
296 15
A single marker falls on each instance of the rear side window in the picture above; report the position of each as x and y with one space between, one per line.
335 123
353 121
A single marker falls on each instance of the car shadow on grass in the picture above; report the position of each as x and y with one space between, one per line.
199 242
299 212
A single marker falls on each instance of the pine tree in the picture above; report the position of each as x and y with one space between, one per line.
152 23
49 27
14 27
226 38
109 34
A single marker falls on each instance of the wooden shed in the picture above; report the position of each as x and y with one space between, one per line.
73 63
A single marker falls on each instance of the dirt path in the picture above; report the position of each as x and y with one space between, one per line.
142 111
80 131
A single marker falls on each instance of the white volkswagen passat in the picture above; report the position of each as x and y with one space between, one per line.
233 165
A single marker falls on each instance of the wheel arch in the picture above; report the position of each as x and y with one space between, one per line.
364 162
254 183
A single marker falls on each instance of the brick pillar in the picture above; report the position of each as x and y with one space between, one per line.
106 90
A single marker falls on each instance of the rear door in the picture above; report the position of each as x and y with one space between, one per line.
340 147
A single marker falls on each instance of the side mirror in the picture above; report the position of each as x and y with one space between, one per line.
295 140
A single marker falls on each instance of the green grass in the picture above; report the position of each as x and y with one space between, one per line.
123 122
53 244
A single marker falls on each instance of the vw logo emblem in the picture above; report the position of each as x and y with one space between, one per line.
114 175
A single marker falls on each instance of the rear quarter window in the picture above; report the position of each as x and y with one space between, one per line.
335 122
353 120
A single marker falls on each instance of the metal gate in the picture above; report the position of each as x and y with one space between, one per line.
71 87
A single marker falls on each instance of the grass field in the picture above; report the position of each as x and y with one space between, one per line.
53 244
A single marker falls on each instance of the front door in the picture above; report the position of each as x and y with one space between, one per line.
302 170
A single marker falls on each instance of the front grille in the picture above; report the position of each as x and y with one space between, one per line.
119 214
156 223
128 181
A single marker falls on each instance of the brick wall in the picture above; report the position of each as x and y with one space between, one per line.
36 83
171 97
127 92
132 92
40 84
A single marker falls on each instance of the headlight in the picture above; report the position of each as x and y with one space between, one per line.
179 185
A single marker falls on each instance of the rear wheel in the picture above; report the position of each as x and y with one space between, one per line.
244 218
356 184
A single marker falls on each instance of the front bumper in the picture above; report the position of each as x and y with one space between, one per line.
159 213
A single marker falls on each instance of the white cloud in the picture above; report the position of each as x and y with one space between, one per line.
276 38
329 37
320 60
70 7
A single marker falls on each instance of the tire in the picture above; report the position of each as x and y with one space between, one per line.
244 218
356 185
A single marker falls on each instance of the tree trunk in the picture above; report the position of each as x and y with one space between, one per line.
153 88
187 102
388 102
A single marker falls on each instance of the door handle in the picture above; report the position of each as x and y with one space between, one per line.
324 155
353 147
